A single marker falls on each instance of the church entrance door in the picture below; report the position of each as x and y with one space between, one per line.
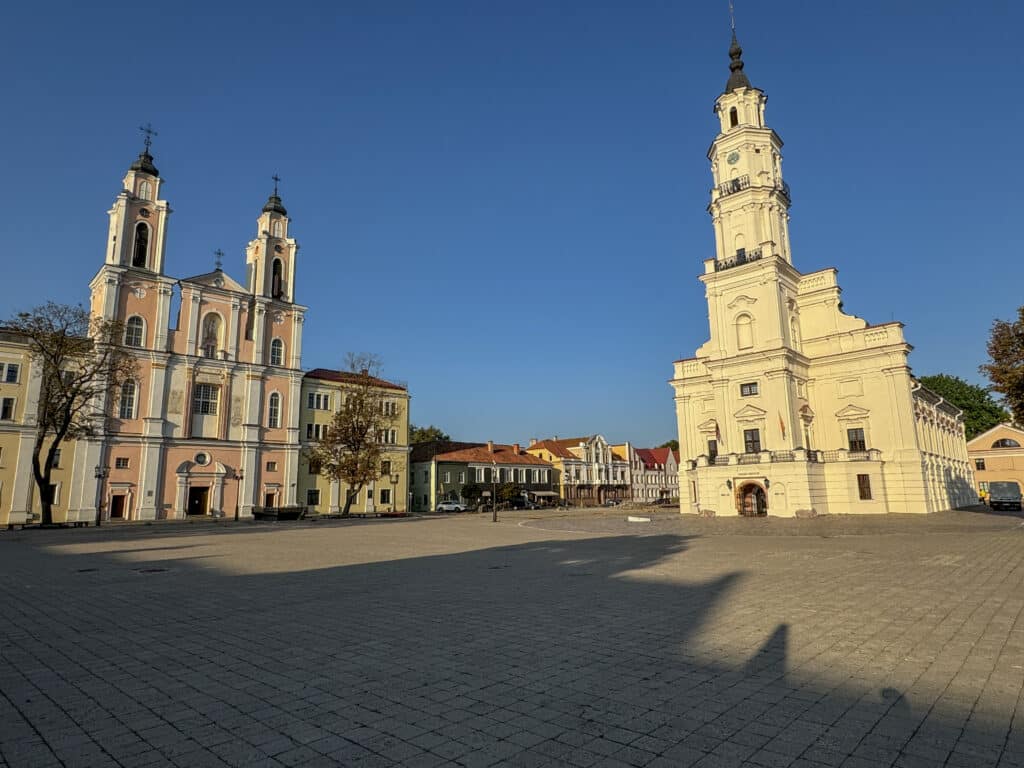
198 499
753 501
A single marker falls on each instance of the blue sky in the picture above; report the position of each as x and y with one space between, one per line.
506 201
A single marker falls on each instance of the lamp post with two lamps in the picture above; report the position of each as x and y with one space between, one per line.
100 473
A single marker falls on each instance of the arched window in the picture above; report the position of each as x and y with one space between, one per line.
1005 442
734 118
277 229
146 190
274 411
211 335
277 352
134 333
277 279
140 253
744 332
126 407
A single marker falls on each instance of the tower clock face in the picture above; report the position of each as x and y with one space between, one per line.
732 158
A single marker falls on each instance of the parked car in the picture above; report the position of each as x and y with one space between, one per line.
522 503
1004 494
611 502
451 506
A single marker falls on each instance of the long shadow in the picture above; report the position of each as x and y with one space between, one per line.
546 653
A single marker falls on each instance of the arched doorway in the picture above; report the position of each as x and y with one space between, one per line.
752 500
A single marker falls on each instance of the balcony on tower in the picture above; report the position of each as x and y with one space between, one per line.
734 185
741 257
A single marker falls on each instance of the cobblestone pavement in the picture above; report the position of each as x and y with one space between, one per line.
570 640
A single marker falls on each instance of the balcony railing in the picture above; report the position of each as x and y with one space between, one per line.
773 457
741 257
734 185
785 190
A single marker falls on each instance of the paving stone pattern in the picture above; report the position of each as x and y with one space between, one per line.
571 641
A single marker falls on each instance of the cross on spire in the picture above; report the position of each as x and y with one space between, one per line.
277 180
147 129
732 17
220 257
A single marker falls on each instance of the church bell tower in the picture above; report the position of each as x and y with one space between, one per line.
270 257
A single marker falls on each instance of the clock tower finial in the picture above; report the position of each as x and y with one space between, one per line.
737 79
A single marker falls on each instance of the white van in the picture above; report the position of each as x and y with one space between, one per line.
1004 495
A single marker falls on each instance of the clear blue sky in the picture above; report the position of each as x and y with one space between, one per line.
506 201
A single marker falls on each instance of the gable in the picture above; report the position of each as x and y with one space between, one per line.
750 412
216 279
983 442
852 412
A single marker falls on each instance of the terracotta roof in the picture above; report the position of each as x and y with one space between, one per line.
502 455
428 450
660 455
560 448
646 455
347 377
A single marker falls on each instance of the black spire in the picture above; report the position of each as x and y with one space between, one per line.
736 77
145 161
274 201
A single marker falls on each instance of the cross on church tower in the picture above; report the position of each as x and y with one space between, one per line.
220 258
147 129
277 180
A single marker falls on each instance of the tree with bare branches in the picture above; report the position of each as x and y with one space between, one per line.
352 451
78 359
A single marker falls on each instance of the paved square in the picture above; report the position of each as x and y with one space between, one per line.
576 641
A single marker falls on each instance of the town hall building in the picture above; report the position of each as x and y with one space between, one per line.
794 406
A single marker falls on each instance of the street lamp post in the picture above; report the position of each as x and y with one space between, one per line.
99 473
239 476
494 492
394 490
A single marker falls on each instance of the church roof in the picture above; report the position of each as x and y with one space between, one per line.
274 205
211 279
144 164
736 77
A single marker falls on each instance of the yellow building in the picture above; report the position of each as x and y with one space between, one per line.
322 393
793 406
997 455
19 395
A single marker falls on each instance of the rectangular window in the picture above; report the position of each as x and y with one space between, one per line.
979 463
56 459
864 487
205 399
385 468
369 494
11 374
855 437
54 492
748 389
385 496
752 440
7 409
426 475
309 431
310 400
271 466
312 497
121 462
314 467
462 477
447 477
712 449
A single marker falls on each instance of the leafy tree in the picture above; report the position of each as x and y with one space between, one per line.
981 411
472 493
1006 367
79 360
673 444
508 492
426 434
351 452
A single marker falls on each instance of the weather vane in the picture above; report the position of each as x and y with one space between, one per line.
147 129
220 257
276 179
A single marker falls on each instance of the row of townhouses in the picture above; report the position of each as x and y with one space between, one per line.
219 413
581 471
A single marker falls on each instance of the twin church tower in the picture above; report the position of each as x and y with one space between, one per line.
793 407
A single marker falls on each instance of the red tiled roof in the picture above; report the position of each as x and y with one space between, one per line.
347 377
560 448
660 455
647 456
502 455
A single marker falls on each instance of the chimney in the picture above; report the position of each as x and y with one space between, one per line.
533 441
515 449
490 446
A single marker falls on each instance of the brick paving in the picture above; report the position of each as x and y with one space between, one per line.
570 640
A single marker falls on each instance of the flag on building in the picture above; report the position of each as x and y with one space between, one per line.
782 425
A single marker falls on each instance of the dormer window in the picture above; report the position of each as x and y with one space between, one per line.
140 252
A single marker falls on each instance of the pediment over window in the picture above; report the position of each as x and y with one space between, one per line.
741 301
806 413
852 412
750 413
710 426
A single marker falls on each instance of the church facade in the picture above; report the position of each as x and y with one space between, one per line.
209 425
794 406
